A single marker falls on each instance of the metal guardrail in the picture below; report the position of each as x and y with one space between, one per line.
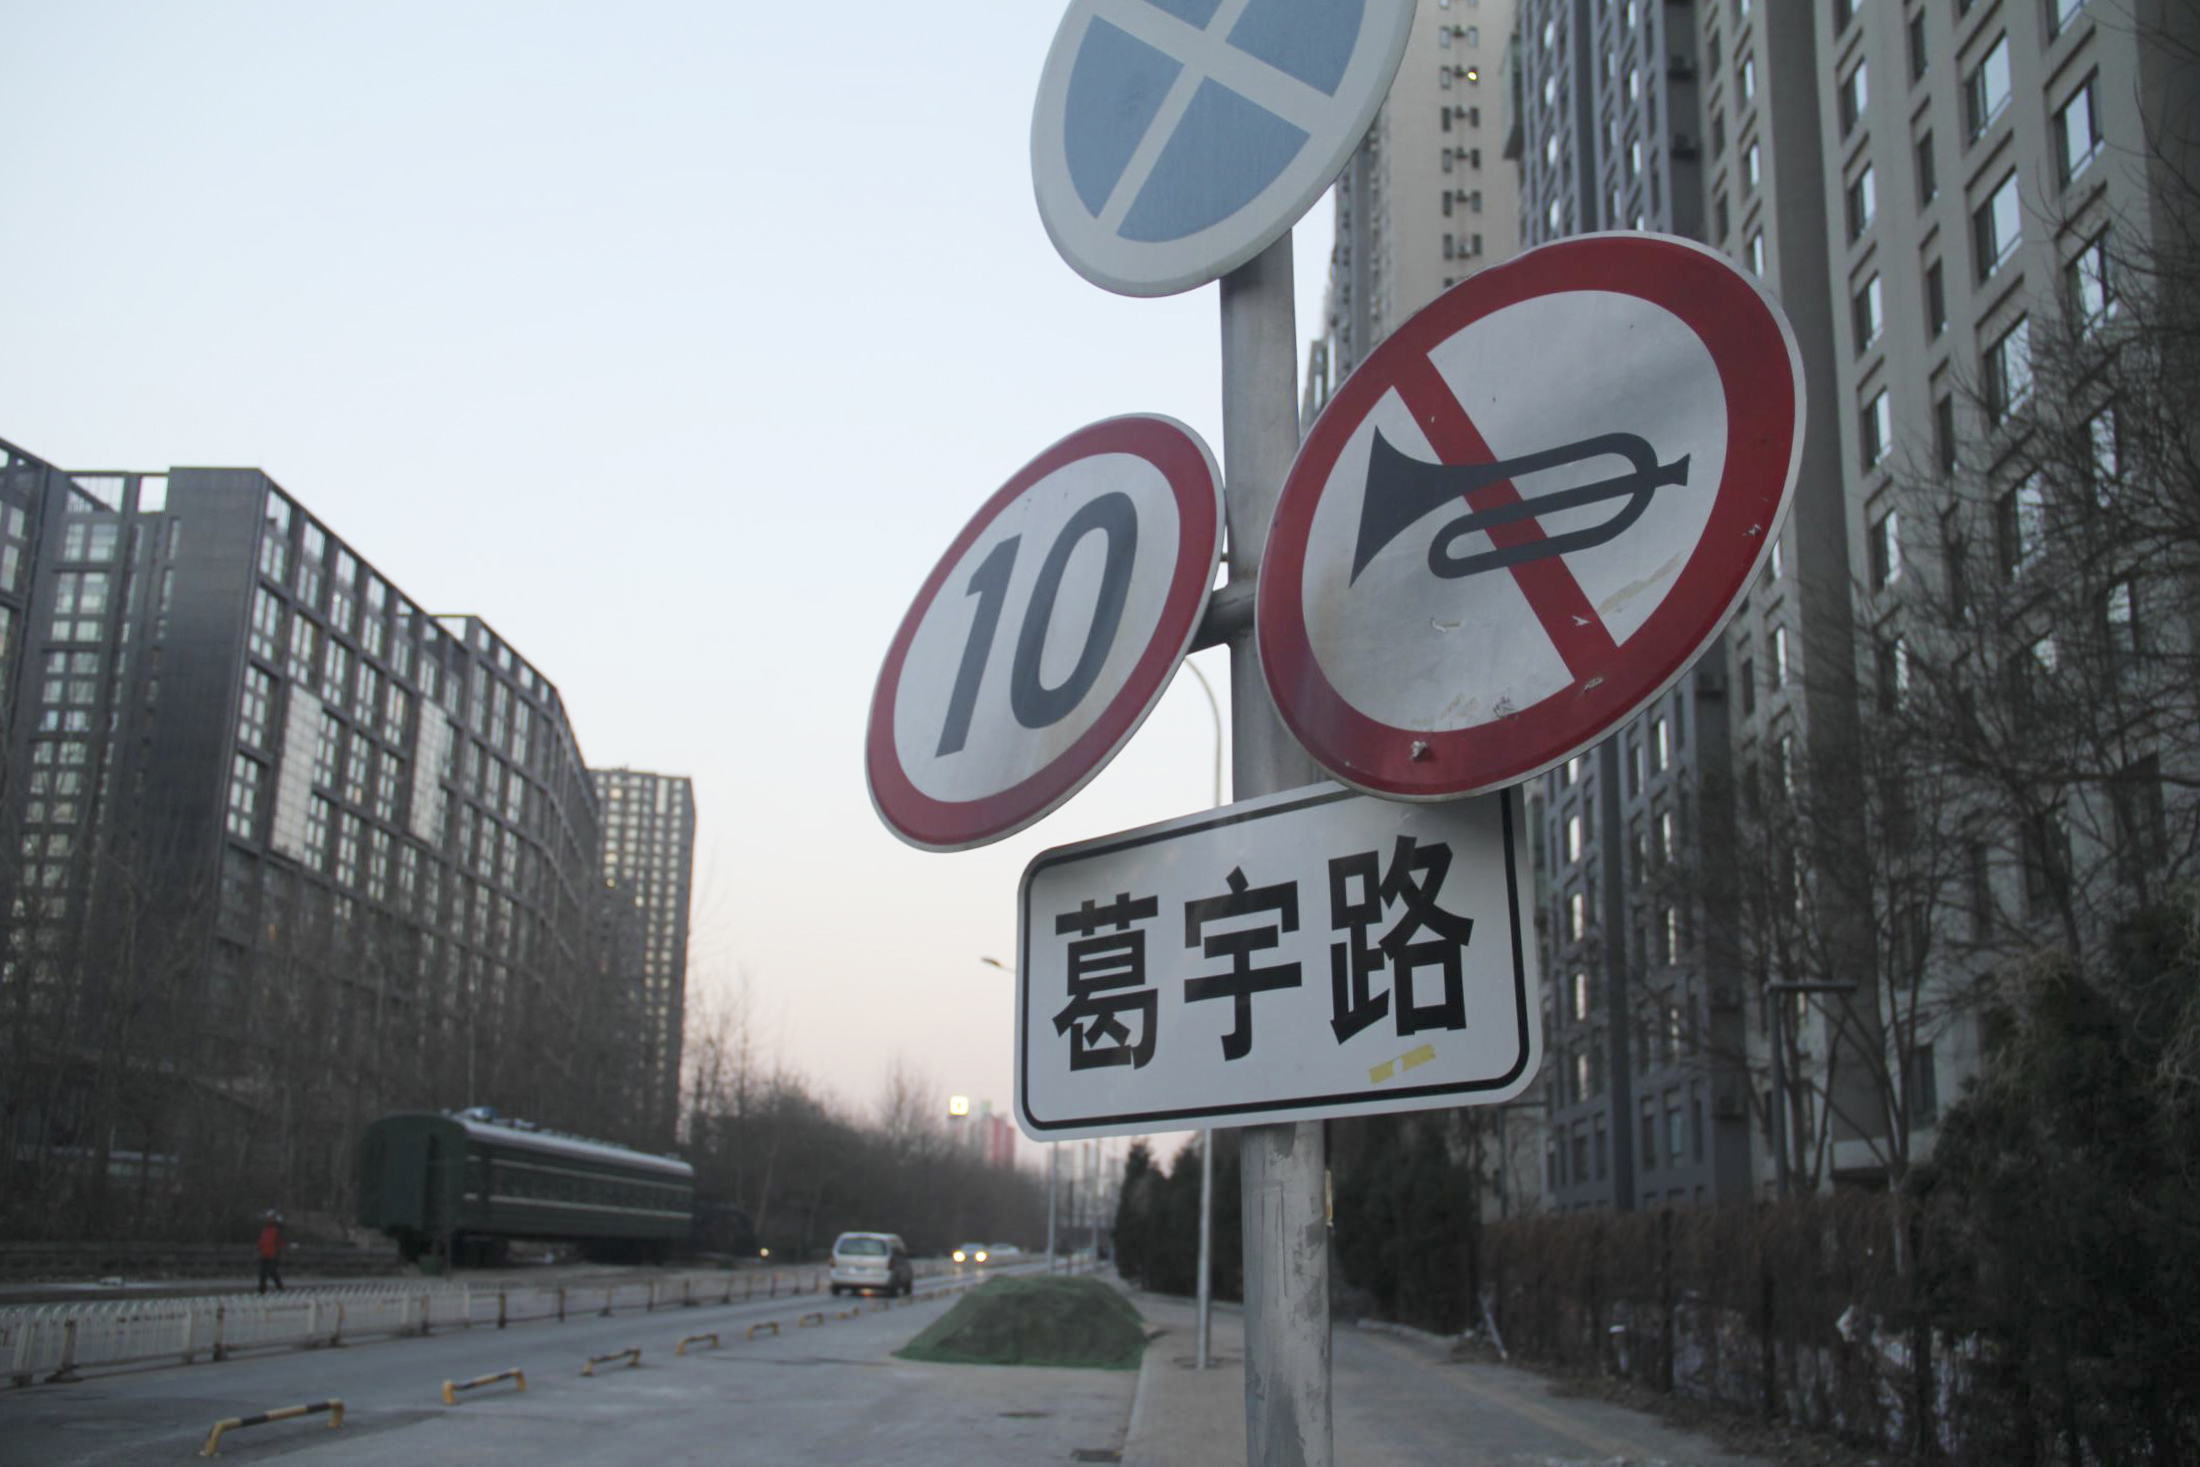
56 1342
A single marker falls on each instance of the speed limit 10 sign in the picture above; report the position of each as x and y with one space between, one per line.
1043 637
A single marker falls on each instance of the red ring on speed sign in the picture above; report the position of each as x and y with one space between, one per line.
1160 603
1591 679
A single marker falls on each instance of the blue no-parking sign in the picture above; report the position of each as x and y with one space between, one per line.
1173 140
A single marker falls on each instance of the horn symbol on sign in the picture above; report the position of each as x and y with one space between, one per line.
1401 490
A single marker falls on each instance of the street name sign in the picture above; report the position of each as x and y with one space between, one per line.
1045 634
1173 140
1307 954
1527 513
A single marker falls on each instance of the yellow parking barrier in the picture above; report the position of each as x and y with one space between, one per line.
809 1319
632 1355
770 1324
213 1445
451 1388
682 1347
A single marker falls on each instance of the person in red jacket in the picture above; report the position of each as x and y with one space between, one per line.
271 1251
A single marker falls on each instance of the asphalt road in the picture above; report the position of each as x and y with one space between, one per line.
829 1392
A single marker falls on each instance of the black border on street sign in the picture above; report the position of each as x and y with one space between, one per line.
1046 860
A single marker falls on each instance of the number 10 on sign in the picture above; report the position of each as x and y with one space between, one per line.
1042 638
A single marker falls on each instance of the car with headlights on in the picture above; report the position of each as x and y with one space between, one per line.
973 1253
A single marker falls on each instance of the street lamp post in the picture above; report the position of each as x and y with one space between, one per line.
1207 1137
1054 1148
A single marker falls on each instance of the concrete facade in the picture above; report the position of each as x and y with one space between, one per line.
1863 160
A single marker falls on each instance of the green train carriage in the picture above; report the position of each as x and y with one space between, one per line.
469 1183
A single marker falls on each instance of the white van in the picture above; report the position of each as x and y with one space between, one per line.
872 1262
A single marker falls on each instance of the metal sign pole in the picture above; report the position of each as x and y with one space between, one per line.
1287 1416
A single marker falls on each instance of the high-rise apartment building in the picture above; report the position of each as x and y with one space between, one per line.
1914 182
289 850
648 874
1428 198
1668 117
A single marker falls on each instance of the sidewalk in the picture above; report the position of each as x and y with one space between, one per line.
1398 1400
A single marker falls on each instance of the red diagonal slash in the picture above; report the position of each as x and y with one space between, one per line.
1556 598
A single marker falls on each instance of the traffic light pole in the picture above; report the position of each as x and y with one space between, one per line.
1286 1234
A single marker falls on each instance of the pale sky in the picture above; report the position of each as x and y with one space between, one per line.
677 340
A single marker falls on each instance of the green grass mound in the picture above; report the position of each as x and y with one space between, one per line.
1077 1322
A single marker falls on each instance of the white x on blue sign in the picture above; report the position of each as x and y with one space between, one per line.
1173 140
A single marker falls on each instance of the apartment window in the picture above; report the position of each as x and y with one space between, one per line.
1745 79
2007 370
1867 313
1997 226
1893 656
1952 560
2105 452
317 822
1718 132
1669 937
1577 917
1649 1135
1855 97
2020 525
1886 550
2086 283
259 689
1875 429
2142 830
1661 744
1746 681
1757 254
245 777
1928 173
2046 859
1844 11
1944 433
2061 12
2119 613
1668 837
1936 301
1779 657
1573 837
1919 56
1863 202
2078 131
1986 89
1581 995
1752 166
267 615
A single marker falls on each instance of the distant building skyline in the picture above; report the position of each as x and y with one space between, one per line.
649 868
334 854
1427 198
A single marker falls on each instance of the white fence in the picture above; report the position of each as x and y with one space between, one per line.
56 1341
